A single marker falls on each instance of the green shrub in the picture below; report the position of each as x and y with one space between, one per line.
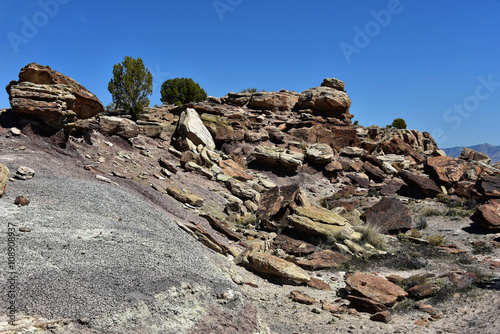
435 240
399 123
130 86
182 90
371 234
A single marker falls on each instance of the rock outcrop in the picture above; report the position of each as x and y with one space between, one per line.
488 215
51 96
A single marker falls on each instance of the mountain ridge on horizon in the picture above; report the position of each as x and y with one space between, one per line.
490 150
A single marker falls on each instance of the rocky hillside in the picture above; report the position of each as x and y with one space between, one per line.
250 213
492 151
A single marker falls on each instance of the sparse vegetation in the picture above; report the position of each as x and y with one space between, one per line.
371 234
130 86
179 91
421 223
435 240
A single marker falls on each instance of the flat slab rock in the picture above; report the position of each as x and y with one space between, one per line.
323 259
374 287
389 215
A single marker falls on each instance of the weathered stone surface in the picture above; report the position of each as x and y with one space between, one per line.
219 127
489 185
241 190
222 228
300 297
277 155
167 165
313 228
390 215
326 99
4 177
21 201
376 288
396 145
384 316
185 196
447 170
237 99
52 104
375 173
392 187
422 291
191 126
233 169
322 260
318 284
275 200
469 154
334 136
272 265
292 246
426 186
319 153
282 100
25 173
461 280
204 237
353 151
109 126
488 215
83 105
334 83
321 215
367 305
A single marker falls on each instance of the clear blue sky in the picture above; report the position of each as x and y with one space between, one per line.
434 63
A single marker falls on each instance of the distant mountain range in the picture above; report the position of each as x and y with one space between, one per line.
492 151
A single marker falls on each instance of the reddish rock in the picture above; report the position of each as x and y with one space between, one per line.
282 100
330 308
375 173
384 316
220 227
334 166
301 297
469 154
318 284
489 185
425 186
22 201
322 260
396 145
376 288
389 215
292 246
422 291
367 305
422 322
392 187
233 169
461 280
274 200
488 215
447 170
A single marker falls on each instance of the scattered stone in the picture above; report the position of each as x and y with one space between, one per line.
447 170
318 284
489 185
330 308
319 153
167 165
384 316
105 179
367 305
469 154
241 190
389 215
24 229
185 196
191 126
323 259
24 173
425 186
292 246
272 265
21 201
423 291
220 227
488 215
302 298
15 131
282 100
233 169
375 288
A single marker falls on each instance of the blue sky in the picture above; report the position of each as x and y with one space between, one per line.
435 64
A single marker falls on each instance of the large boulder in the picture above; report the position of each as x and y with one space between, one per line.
375 288
489 185
282 100
278 156
40 98
109 126
389 215
469 154
4 177
191 126
330 101
319 153
272 265
447 170
488 215
424 186
396 145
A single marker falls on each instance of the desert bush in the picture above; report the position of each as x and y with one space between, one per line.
399 123
130 86
435 240
182 90
421 223
414 233
249 90
371 234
